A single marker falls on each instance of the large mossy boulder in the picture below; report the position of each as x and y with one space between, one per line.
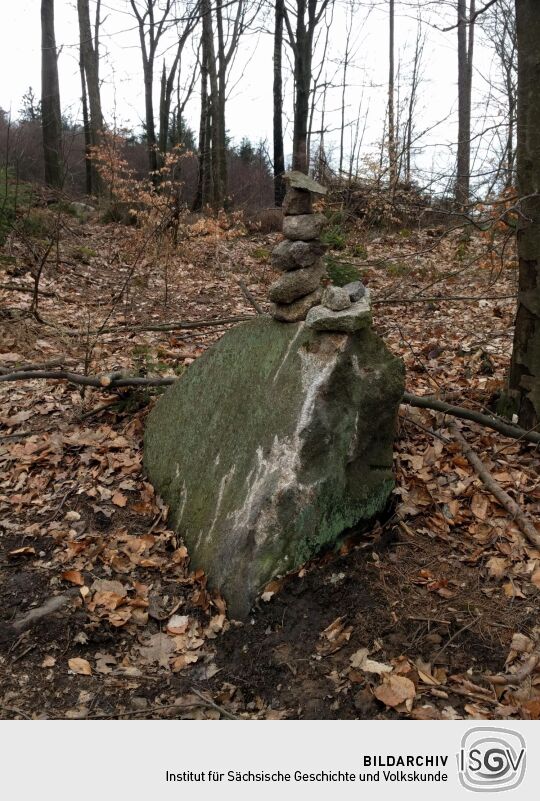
273 443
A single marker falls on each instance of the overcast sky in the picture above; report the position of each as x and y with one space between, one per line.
249 109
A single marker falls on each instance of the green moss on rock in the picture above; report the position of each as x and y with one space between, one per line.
270 445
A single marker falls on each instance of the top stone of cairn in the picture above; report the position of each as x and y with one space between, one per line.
298 180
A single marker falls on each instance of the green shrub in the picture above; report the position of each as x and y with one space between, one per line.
84 254
360 251
341 273
13 196
36 224
397 268
261 254
334 237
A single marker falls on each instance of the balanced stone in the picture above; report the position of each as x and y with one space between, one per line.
296 284
291 255
355 318
356 290
297 201
299 180
293 312
270 445
304 226
335 298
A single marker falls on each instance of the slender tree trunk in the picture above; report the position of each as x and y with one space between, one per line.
343 93
302 85
89 47
86 127
465 32
524 381
214 144
151 140
392 146
510 152
203 194
51 114
279 153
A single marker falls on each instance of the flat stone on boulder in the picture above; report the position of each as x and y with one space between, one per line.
356 290
271 444
304 226
292 255
355 318
296 284
299 180
335 298
297 310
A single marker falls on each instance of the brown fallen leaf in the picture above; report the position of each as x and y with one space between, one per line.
178 624
74 577
395 690
119 499
183 661
80 666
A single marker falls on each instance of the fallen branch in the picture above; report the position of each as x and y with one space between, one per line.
103 382
508 429
519 676
173 326
525 524
250 298
48 608
38 366
28 289
440 299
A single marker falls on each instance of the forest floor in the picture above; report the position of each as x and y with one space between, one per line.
412 618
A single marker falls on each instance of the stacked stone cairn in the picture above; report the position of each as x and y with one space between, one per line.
299 256
299 294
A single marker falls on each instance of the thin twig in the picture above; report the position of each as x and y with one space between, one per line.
211 703
523 521
250 298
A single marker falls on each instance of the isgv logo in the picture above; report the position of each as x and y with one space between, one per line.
491 759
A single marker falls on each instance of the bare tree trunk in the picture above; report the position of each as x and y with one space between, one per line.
86 127
418 49
343 91
150 32
89 49
279 153
465 32
213 122
167 82
524 384
202 195
51 114
302 83
392 145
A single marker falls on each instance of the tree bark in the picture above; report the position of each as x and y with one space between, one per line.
203 193
86 128
51 115
302 83
89 48
279 153
524 380
465 33
392 145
